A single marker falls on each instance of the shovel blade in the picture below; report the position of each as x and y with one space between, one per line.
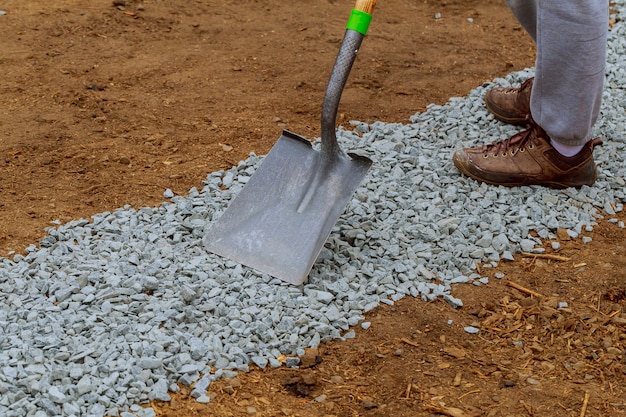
280 221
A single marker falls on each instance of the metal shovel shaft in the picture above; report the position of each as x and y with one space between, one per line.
339 76
331 154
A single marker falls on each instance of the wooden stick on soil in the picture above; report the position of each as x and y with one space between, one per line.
523 289
407 392
583 410
546 256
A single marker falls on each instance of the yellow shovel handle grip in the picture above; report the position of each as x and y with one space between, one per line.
366 6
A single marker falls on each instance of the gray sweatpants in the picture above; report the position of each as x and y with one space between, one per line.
571 37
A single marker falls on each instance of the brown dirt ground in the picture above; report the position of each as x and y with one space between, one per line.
102 106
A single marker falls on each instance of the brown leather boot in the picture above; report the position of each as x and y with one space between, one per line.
528 158
510 105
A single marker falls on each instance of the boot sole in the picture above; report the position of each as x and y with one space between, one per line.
550 184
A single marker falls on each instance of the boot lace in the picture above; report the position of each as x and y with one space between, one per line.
519 142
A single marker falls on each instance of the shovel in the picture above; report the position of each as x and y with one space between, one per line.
281 219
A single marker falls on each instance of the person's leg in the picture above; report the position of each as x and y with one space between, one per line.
525 11
564 102
569 74
571 54
509 104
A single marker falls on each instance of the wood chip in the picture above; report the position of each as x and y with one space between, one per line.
523 289
455 352
446 411
409 342
457 379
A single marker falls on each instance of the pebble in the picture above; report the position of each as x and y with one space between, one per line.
159 391
453 301
201 387
508 383
336 379
56 395
527 245
368 404
150 363
203 399
350 335
507 256
292 362
260 361
324 297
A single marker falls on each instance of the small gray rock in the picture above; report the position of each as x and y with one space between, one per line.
56 395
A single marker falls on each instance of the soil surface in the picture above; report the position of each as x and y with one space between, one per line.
104 104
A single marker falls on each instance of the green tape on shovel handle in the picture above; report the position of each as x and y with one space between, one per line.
359 21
